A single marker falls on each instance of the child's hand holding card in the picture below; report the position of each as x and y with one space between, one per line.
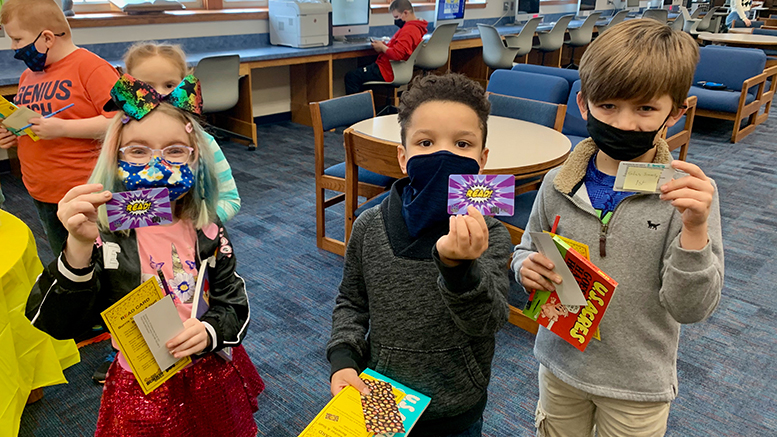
489 194
135 209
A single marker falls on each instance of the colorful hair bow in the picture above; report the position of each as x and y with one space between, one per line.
137 98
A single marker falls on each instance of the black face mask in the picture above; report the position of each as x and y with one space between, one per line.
399 23
619 144
425 199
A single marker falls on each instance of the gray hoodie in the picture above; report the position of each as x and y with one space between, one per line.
660 284
431 327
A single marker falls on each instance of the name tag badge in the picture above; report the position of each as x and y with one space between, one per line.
644 177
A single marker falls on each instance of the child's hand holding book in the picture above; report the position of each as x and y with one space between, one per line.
467 238
345 377
193 340
7 139
537 273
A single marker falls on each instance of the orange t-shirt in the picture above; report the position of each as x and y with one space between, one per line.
50 168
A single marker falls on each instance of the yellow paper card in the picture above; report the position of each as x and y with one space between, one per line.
579 247
343 415
119 320
642 179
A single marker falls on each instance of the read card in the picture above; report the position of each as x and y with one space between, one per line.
135 209
643 177
490 194
381 413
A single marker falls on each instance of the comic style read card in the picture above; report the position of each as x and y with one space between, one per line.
381 413
489 194
135 209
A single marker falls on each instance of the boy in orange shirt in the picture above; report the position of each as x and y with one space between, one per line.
58 74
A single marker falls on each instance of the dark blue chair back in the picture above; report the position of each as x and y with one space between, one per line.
729 65
570 75
346 110
770 32
532 111
532 86
573 122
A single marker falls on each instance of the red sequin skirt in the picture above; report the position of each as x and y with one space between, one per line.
211 398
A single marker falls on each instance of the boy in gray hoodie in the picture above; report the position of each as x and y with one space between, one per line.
664 250
423 293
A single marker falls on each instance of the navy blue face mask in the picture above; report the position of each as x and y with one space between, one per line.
425 199
399 23
35 60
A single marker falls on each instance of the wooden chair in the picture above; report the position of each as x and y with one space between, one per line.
682 139
327 115
742 70
363 152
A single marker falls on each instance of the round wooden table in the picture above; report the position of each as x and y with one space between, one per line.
516 147
740 39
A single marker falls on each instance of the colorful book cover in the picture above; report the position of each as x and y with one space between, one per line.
574 324
343 415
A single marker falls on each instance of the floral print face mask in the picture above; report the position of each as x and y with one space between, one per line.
177 178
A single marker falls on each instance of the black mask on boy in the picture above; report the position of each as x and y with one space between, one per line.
425 199
619 144
399 23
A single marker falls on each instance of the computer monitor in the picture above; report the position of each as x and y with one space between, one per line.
448 11
586 5
632 4
350 17
526 9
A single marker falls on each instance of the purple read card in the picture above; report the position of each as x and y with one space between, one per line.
135 209
490 194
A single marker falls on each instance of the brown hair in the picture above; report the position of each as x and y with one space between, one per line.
450 87
400 6
36 15
144 50
639 60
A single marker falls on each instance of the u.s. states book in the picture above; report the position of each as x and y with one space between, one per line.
575 324
343 415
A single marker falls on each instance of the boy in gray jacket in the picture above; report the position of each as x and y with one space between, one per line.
664 250
423 293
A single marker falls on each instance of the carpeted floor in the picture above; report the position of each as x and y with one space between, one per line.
726 364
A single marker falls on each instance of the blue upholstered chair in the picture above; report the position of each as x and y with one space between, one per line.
539 87
547 114
742 71
771 32
574 126
570 75
534 111
327 115
526 85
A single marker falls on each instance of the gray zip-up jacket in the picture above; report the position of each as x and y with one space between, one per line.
403 313
660 284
